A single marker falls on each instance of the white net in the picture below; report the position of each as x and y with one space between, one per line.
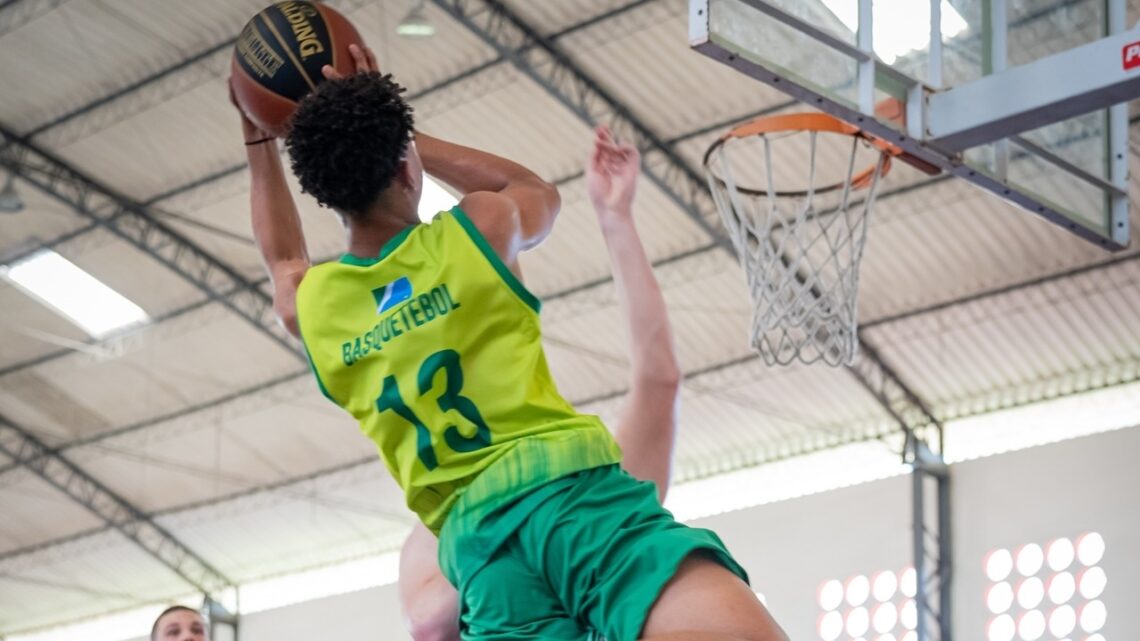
800 248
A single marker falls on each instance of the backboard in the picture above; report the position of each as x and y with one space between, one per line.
1027 100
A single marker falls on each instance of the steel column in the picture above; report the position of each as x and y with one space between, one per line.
933 556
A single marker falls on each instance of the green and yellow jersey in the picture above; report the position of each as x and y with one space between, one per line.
434 346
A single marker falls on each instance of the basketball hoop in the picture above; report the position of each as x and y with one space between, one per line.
799 247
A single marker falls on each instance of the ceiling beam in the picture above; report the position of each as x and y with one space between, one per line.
901 403
19 444
208 64
17 13
221 405
553 70
206 181
468 73
135 225
540 59
882 387
303 487
1116 259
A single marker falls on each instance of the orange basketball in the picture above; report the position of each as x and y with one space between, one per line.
278 58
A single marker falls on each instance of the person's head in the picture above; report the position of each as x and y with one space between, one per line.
179 623
351 146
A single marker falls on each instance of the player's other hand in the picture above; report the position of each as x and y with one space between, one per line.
611 175
363 57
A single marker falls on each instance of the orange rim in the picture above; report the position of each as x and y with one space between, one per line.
819 122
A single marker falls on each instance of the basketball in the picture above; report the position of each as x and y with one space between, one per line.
279 55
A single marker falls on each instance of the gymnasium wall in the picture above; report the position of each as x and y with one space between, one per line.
1029 496
791 548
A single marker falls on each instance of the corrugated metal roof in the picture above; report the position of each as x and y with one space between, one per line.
553 17
278 480
175 365
86 59
298 532
42 219
34 511
1026 345
572 254
84 579
687 93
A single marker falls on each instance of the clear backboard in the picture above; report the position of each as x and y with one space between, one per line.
1026 99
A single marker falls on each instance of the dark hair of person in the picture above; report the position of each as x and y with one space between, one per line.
348 138
173 608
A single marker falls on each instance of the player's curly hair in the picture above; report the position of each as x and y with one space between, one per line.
347 139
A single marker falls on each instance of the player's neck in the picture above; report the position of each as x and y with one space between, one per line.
388 217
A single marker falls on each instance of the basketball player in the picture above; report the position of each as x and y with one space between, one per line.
648 422
179 623
426 334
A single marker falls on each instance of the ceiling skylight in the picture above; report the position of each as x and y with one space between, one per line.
901 26
78 296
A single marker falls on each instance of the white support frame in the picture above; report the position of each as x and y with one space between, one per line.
866 41
918 140
1028 97
934 56
1118 152
996 20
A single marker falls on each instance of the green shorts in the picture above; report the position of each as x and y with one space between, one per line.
584 555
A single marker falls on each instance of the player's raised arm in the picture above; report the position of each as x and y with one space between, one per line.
647 425
510 204
276 223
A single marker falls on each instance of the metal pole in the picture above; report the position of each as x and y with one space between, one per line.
866 43
934 60
1117 131
995 56
918 540
945 558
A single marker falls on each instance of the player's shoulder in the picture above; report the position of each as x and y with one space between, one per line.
495 217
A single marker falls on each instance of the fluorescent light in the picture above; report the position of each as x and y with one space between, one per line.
352 576
415 30
1051 421
415 24
434 199
901 26
75 294
782 480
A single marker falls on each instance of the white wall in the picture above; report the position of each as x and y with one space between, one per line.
1035 495
790 548
368 614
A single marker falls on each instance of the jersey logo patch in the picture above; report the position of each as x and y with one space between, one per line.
392 294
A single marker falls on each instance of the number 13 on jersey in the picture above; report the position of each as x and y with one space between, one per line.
451 399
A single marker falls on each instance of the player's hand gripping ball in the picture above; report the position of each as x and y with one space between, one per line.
279 56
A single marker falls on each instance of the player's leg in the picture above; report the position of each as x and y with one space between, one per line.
619 561
704 601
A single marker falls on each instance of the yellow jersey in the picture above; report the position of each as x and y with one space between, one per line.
434 346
